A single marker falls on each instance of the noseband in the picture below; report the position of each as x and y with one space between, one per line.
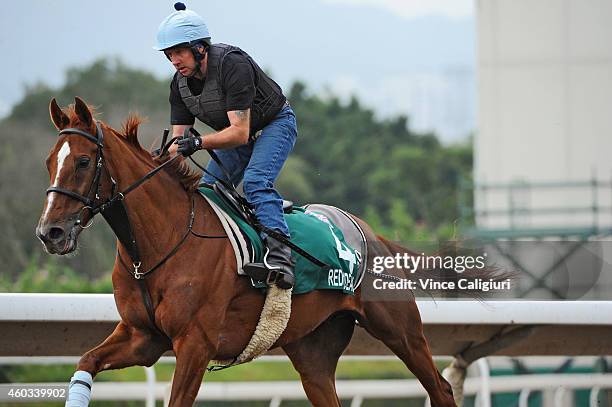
113 208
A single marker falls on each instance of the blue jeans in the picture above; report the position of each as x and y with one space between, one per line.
257 164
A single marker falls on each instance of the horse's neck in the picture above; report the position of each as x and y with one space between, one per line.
158 210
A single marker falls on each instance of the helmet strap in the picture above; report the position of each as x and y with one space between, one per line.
198 56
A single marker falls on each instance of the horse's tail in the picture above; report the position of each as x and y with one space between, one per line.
477 281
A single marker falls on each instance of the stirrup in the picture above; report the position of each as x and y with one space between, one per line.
280 282
276 276
258 272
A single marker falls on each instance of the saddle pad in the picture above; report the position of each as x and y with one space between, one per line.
353 234
313 232
241 238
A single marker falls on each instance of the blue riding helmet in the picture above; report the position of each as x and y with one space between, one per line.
181 27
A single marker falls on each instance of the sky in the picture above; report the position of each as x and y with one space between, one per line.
415 8
413 57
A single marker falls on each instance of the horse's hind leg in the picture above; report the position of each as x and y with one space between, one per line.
399 326
315 357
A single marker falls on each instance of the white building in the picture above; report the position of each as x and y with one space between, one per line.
545 109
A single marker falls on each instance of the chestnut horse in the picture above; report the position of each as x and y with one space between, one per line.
202 309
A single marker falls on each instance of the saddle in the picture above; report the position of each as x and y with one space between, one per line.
239 203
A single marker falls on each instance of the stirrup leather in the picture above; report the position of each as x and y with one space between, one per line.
235 201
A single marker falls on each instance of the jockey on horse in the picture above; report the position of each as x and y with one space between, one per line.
223 87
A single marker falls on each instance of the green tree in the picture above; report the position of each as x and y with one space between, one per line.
402 182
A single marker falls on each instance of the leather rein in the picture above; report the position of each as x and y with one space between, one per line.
113 209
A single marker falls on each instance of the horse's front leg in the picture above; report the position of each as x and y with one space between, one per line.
193 352
126 346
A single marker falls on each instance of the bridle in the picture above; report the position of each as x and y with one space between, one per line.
93 193
88 200
114 211
113 208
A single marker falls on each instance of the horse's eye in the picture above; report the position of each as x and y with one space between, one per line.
83 162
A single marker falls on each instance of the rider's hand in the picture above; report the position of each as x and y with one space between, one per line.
189 145
172 150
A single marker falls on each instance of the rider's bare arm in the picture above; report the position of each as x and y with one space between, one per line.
235 135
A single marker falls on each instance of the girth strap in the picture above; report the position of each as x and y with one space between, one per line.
146 298
148 303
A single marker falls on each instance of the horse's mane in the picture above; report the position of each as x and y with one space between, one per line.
179 169
189 179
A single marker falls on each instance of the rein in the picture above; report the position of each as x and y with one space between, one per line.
242 203
113 209
115 213
89 202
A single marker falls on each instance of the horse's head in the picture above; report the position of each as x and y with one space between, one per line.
76 175
81 185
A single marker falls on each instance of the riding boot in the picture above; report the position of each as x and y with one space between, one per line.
277 265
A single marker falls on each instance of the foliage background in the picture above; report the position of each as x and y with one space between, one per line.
403 183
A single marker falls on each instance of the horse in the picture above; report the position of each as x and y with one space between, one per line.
198 306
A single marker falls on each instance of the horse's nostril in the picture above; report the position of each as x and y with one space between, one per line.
56 233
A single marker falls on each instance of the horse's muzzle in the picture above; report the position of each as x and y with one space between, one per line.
58 238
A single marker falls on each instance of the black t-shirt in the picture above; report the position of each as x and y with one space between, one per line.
237 82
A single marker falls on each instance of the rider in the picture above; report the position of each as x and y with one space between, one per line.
223 87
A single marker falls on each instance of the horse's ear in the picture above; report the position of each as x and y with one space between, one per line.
83 112
58 117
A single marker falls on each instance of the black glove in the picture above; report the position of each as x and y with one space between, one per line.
189 145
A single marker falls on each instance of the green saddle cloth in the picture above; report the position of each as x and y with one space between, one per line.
316 235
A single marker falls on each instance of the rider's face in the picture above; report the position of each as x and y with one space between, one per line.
182 59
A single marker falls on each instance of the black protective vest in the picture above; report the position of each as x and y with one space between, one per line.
209 106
